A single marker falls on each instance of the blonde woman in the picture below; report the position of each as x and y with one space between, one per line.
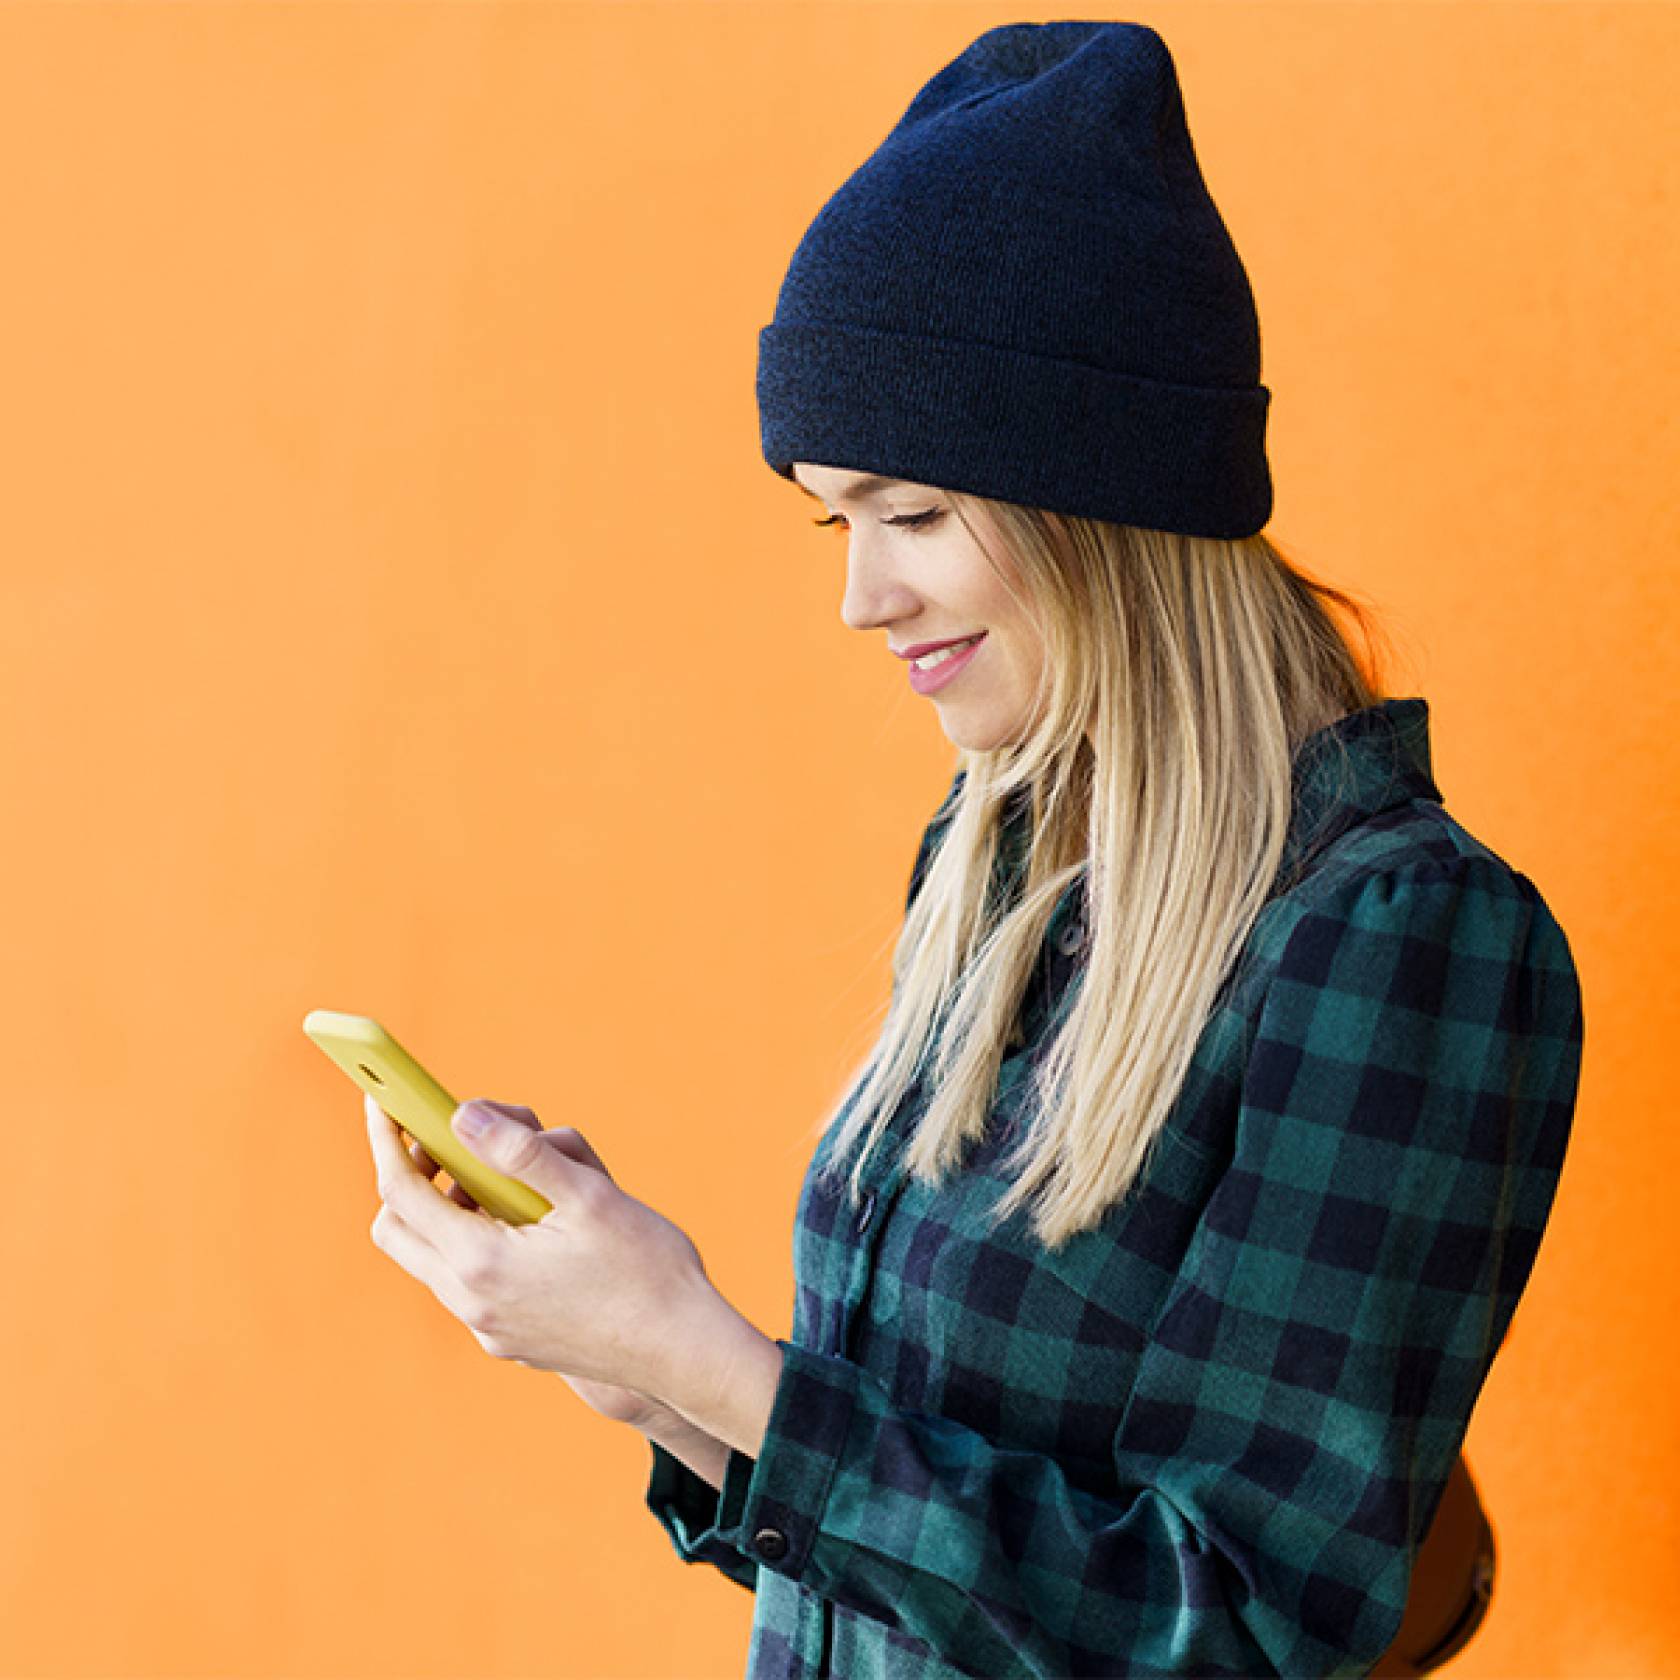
1150 1268
1149 1272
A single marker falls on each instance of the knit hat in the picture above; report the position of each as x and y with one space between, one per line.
1027 293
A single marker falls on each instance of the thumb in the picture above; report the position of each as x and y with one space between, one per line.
503 1140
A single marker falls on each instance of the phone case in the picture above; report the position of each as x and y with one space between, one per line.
420 1105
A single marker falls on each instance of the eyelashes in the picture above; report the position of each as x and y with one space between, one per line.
912 521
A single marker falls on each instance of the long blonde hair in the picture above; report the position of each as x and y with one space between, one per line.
1180 675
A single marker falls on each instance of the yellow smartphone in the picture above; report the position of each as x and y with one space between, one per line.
420 1105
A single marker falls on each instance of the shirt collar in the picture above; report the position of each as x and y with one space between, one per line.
1364 763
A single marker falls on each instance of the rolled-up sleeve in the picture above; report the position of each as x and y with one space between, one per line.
1309 1377
687 1508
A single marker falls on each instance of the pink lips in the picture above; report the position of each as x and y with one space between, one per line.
948 670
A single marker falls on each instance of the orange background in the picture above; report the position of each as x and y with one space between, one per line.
399 618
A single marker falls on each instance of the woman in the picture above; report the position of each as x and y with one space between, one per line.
1149 1271
1139 1320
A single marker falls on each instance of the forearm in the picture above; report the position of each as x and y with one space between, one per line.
704 1454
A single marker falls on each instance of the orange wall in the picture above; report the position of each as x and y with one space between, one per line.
399 618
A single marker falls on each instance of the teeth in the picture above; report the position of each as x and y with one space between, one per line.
929 660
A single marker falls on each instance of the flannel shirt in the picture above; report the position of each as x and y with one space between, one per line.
1208 1437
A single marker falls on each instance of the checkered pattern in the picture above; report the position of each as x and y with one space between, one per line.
1207 1437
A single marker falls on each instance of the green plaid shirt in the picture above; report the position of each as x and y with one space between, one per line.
1207 1437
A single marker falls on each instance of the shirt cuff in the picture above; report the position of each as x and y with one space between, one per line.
686 1505
770 1509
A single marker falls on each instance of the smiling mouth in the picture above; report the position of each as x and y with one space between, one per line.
947 669
932 661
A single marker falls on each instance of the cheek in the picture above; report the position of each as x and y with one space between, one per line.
1023 658
1011 659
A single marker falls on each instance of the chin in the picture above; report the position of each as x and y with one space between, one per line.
977 737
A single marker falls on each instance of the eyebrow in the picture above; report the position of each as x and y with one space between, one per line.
868 484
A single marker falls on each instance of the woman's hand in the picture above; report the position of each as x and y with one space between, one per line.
602 1288
620 1405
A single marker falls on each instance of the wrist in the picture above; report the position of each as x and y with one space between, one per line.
683 1376
726 1388
669 1428
704 1454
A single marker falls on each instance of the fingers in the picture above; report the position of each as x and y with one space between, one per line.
526 1117
429 1168
570 1141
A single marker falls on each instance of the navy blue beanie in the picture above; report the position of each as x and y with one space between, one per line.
1027 293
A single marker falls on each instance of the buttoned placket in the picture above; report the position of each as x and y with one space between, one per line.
1065 936
867 1221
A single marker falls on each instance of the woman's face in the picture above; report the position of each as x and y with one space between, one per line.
925 579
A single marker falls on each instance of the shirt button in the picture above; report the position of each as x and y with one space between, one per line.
1070 939
771 1543
866 1213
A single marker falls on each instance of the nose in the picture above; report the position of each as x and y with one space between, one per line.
876 595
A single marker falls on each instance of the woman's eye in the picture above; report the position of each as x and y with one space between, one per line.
912 521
